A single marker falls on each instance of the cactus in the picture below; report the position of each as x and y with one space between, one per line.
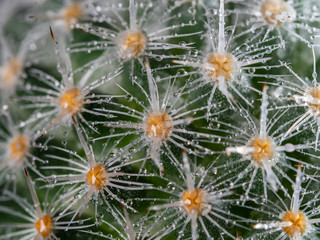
145 119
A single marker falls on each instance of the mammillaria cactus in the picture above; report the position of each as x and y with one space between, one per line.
146 119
